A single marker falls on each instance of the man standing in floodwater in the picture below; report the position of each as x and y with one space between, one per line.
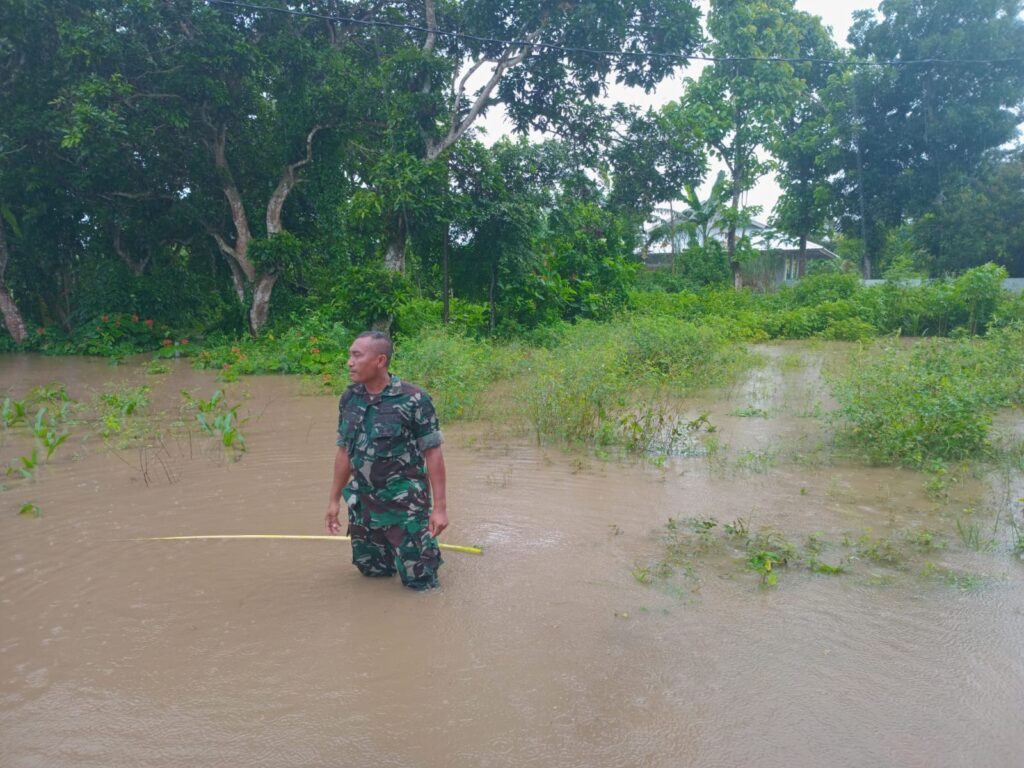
389 448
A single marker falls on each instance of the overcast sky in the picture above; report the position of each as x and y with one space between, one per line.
834 13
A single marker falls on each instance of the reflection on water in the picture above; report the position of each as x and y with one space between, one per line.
545 651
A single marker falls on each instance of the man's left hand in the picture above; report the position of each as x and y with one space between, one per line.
437 522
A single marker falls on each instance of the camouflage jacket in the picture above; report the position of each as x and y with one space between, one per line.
385 436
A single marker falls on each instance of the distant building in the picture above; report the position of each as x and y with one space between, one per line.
778 260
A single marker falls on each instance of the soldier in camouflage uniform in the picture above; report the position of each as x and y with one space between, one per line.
389 447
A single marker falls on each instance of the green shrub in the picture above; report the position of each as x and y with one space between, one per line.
816 289
977 292
586 388
848 329
311 344
934 401
466 317
117 334
455 369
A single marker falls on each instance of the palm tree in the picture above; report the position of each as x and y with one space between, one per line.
698 220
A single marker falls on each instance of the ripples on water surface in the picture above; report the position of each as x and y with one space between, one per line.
546 651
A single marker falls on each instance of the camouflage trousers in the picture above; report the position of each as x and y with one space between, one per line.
414 555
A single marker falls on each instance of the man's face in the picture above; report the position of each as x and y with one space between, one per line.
365 360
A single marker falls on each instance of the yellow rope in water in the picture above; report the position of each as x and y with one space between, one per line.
291 537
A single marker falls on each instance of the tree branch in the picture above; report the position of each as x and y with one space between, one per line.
137 267
288 181
242 232
431 16
460 125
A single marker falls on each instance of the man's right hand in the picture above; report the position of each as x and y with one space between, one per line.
331 519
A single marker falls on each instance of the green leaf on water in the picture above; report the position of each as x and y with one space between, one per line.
30 509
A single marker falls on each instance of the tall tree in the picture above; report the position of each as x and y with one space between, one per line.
919 127
977 221
530 56
218 111
806 148
739 101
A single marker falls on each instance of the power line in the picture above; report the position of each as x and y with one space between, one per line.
678 57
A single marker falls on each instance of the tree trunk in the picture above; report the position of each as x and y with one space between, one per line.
445 277
394 256
12 315
801 258
730 242
262 289
136 267
492 296
672 235
865 262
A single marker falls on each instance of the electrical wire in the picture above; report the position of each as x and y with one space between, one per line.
678 57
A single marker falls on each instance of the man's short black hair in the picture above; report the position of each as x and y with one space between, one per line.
384 343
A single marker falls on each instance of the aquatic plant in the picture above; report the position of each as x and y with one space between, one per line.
12 411
971 535
877 549
757 460
216 418
29 465
750 412
30 509
965 581
1017 531
127 400
46 433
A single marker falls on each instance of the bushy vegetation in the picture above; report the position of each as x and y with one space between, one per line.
454 368
605 379
930 402
837 307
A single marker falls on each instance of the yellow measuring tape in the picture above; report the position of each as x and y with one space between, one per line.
449 547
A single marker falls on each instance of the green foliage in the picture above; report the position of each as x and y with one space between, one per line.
580 390
364 296
12 411
978 291
126 401
30 509
218 419
836 306
117 334
283 252
417 315
848 329
932 402
455 369
118 406
45 427
311 343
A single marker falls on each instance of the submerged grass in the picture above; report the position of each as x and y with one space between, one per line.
695 544
615 383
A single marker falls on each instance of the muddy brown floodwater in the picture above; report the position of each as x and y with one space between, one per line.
544 651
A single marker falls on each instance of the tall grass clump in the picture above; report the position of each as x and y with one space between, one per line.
607 376
932 402
455 369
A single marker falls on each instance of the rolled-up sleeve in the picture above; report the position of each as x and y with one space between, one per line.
425 428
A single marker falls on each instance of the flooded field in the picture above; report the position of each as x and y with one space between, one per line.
575 640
